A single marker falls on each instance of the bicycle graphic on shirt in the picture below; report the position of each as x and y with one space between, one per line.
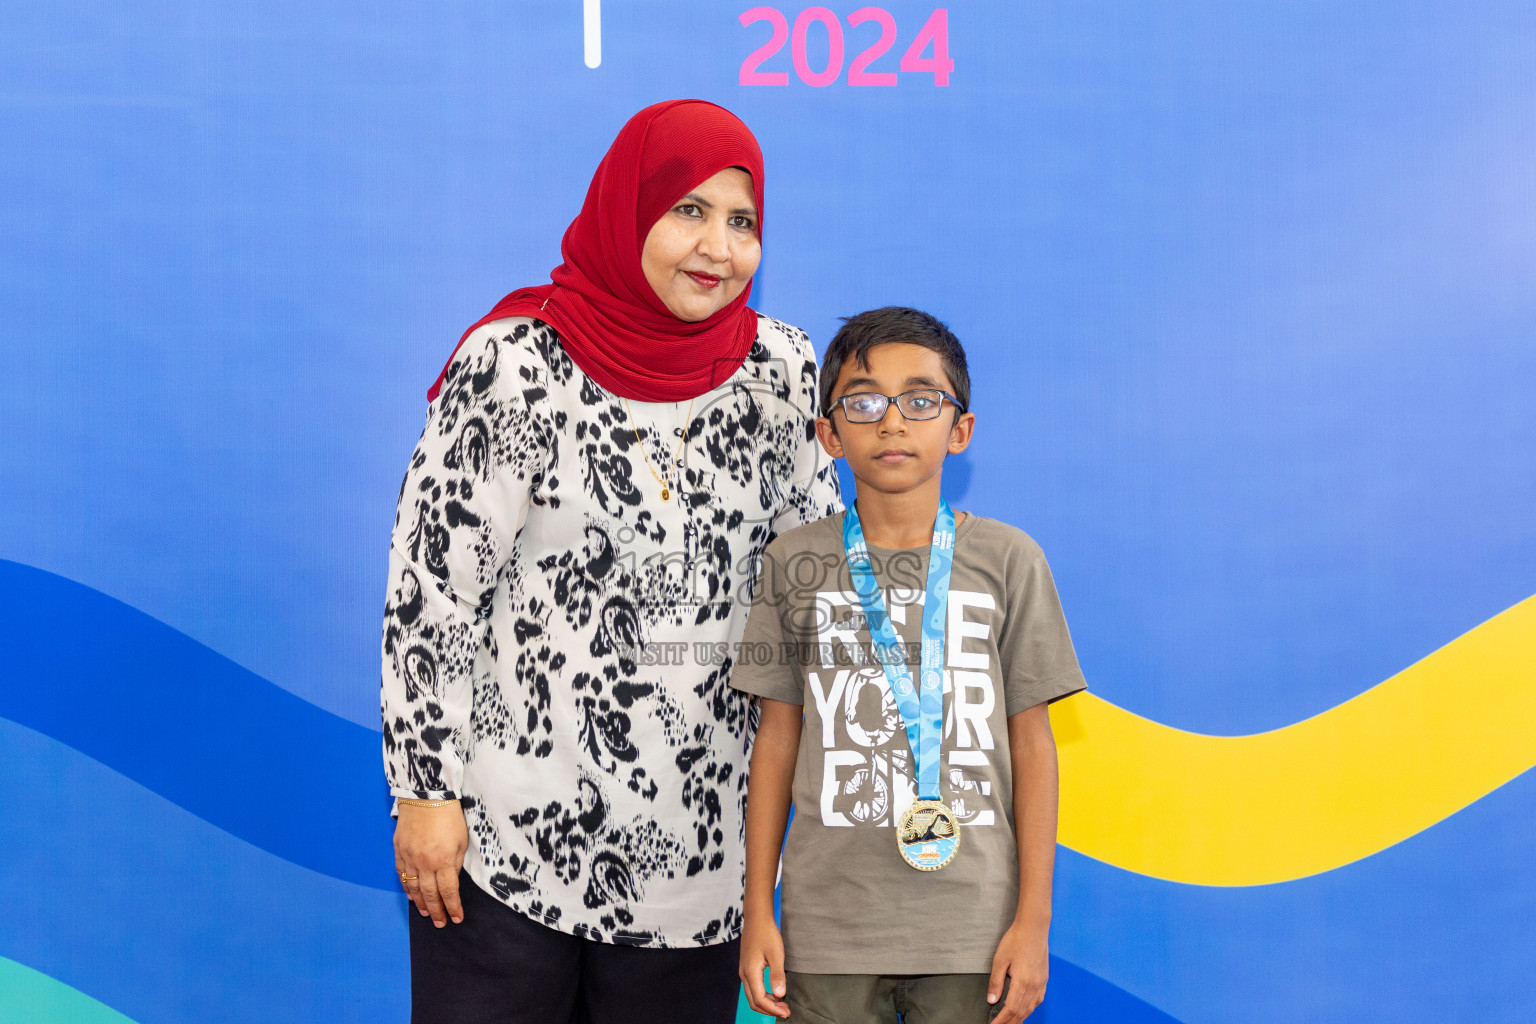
865 790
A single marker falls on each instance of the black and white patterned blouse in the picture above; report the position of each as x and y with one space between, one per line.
557 637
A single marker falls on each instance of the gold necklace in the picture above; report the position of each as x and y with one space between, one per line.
677 451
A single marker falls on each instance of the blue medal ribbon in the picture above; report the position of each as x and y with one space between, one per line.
922 712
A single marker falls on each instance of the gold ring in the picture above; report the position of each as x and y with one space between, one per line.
409 878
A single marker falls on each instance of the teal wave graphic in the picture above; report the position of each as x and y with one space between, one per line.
28 997
193 726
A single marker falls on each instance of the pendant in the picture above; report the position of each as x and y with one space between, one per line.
665 494
928 835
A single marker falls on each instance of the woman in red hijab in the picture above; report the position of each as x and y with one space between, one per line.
604 459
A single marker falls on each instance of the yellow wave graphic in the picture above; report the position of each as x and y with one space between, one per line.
1326 791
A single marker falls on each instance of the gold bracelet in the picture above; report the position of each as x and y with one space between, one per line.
412 802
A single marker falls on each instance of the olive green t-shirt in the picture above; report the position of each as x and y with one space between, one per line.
851 905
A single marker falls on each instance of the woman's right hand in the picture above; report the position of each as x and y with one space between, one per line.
429 851
762 946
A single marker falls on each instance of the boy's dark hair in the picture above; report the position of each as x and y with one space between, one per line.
864 331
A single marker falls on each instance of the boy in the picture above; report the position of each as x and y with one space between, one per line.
853 618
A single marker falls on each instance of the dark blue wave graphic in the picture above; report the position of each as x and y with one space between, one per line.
159 915
193 726
167 919
244 755
1077 996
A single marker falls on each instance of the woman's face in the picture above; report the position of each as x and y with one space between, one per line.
703 251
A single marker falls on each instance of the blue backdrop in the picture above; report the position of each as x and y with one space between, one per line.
1250 294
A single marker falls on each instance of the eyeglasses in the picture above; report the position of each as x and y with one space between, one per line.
917 404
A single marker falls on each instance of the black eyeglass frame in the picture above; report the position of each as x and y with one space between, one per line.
896 401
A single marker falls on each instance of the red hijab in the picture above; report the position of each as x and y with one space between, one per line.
611 321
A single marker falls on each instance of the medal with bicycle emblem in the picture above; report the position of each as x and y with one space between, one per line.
928 832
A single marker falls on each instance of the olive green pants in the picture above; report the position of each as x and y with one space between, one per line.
879 999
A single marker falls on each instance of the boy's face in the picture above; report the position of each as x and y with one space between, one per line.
895 454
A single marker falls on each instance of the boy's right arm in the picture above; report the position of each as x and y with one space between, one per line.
768 799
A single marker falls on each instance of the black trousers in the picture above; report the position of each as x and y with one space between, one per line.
499 967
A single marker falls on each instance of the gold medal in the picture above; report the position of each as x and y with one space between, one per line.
928 835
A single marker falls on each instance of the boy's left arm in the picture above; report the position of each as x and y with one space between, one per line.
1023 955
